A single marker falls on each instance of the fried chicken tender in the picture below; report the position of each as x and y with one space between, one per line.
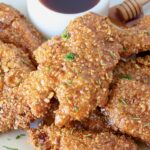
128 109
15 29
80 68
52 138
37 92
134 69
77 67
15 66
135 39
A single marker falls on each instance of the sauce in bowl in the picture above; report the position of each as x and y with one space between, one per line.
69 6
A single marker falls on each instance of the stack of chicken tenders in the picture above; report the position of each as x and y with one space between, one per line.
90 86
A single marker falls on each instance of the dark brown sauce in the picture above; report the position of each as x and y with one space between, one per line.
69 6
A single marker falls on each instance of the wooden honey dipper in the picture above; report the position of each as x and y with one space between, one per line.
130 9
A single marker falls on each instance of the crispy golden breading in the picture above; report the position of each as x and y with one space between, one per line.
37 92
95 122
78 67
53 138
15 29
144 60
135 39
15 66
135 69
129 109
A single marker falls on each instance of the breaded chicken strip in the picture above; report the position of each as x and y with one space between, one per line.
53 138
134 69
15 29
15 66
135 39
78 66
129 109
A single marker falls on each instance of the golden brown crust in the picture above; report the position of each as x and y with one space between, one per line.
36 91
128 109
53 138
135 39
15 66
134 69
15 29
144 60
80 67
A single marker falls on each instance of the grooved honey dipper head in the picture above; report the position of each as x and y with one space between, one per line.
130 9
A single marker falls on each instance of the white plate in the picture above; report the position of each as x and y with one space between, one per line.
9 139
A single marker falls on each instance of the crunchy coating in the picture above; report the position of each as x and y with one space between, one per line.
53 138
80 68
36 91
134 69
15 29
135 39
15 66
95 122
144 60
129 109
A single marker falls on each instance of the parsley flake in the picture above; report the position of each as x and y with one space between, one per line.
148 33
126 77
88 135
76 109
147 124
9 148
70 56
123 101
20 136
112 54
135 118
125 48
65 36
69 81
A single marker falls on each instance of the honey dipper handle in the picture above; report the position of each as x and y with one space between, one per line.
143 2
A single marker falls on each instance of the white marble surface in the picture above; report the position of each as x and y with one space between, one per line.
9 139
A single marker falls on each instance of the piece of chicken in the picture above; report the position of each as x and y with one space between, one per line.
15 29
15 66
52 138
77 67
134 69
128 109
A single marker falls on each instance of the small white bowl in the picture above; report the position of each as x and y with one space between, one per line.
52 23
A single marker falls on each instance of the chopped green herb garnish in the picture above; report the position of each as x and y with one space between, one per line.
70 56
123 101
65 35
102 63
112 54
88 135
135 118
98 82
148 33
147 124
69 81
126 77
9 148
48 69
125 48
20 136
76 109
